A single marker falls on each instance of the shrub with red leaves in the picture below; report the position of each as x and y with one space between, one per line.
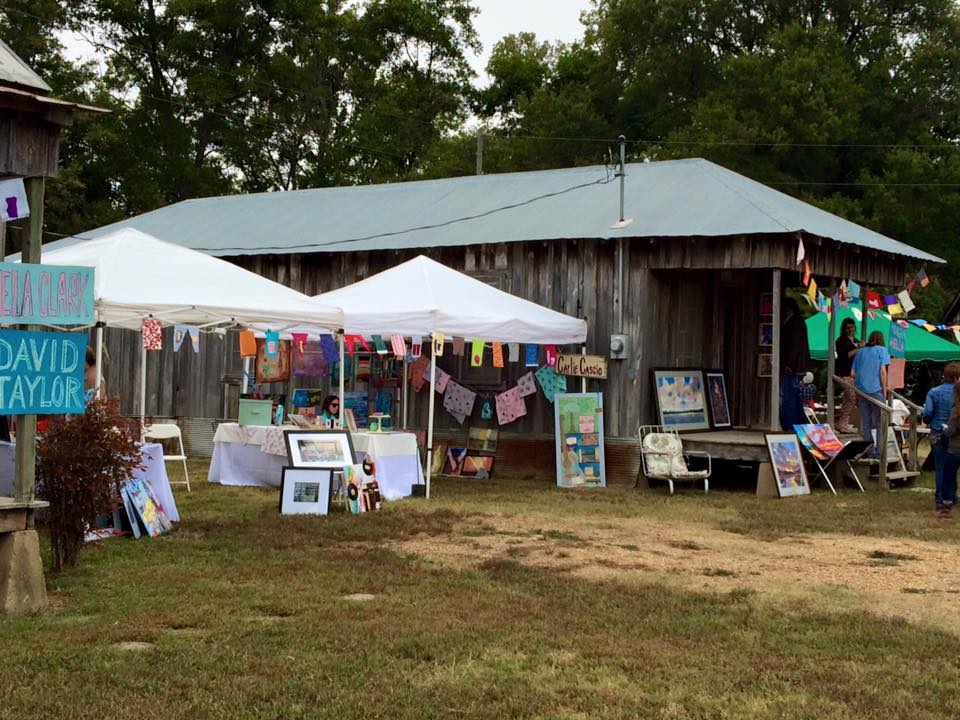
81 462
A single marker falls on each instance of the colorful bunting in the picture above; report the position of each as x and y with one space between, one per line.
13 200
151 332
248 343
922 278
510 406
514 352
331 352
801 252
476 353
438 344
458 401
550 382
526 384
486 410
498 355
812 290
874 301
272 343
550 352
180 333
905 301
806 273
380 345
398 345
458 344
853 290
416 346
299 340
531 355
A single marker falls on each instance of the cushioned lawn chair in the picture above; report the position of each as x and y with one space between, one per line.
663 458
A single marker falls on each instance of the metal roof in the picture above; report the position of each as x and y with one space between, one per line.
675 198
15 71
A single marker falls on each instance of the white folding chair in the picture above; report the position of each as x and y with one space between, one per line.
169 431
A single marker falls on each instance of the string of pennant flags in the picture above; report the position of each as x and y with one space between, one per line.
898 304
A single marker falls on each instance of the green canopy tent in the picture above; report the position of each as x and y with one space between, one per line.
920 345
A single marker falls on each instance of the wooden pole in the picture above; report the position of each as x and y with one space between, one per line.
775 358
25 474
832 357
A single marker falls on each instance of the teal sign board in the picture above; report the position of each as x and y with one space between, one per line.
41 373
45 294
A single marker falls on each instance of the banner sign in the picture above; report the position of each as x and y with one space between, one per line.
45 294
589 366
41 373
898 340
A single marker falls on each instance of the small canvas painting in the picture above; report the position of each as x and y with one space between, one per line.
717 394
681 400
766 304
477 466
787 463
764 365
766 335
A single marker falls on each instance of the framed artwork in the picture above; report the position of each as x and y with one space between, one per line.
481 440
766 304
681 400
330 449
766 335
579 440
273 369
764 365
717 398
453 463
305 491
788 470
439 458
477 466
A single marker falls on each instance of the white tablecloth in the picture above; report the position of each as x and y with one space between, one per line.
251 456
155 473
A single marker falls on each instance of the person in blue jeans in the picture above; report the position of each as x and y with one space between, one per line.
936 413
870 377
950 459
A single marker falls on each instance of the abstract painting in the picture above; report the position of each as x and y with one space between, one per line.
681 400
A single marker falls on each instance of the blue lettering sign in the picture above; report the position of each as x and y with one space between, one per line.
45 294
898 340
41 373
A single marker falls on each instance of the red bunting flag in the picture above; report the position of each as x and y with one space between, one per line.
874 301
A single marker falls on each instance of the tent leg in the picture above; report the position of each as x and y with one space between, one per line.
342 399
143 383
247 367
404 395
433 397
99 367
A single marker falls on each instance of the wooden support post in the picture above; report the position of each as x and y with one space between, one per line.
913 439
775 355
26 453
882 447
832 358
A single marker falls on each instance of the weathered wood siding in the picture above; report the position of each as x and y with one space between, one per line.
689 302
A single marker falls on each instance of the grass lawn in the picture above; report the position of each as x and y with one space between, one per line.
506 598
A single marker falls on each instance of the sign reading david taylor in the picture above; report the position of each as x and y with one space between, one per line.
41 373
45 294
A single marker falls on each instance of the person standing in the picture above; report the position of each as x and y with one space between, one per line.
794 364
950 459
936 413
847 348
870 376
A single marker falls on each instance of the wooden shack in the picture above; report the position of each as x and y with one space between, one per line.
681 276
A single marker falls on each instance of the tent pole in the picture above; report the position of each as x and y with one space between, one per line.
247 363
775 355
99 366
343 401
143 383
433 396
404 394
832 354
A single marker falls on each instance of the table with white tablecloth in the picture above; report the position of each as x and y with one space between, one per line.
254 455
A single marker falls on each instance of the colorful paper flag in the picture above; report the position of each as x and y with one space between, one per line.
299 340
922 277
248 343
476 353
801 252
514 355
905 301
550 382
486 410
812 290
526 385
510 406
331 352
956 335
380 346
550 352
272 343
853 290
416 346
438 344
806 273
895 309
929 328
398 345
458 344
531 355
194 337
874 301
498 355
151 331
911 284
870 314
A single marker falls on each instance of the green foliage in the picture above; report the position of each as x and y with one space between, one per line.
81 462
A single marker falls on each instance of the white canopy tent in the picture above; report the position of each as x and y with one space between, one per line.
422 297
137 276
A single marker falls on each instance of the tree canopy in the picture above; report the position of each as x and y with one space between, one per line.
853 106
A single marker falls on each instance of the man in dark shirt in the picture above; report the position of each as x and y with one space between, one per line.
794 364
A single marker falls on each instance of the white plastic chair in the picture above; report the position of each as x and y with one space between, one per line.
663 457
169 431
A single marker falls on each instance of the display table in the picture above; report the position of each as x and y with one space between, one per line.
244 455
154 472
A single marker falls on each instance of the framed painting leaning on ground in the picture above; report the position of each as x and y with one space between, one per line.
787 461
717 399
305 491
681 400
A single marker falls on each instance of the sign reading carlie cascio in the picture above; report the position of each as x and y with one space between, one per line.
41 373
589 366
45 294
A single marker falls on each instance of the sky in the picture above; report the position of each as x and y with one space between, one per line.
548 19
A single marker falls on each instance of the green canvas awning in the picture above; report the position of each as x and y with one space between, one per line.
921 345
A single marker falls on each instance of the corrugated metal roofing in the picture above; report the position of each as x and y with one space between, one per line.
676 198
15 71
